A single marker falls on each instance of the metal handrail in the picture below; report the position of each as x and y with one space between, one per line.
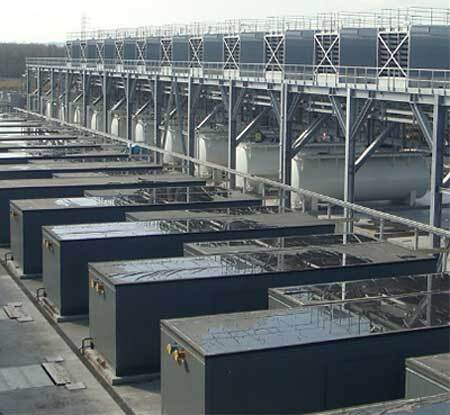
341 76
382 217
330 21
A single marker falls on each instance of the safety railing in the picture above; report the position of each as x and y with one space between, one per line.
387 79
330 21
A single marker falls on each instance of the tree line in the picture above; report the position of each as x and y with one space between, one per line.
13 55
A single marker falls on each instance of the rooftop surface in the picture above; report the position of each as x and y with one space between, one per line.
231 265
243 332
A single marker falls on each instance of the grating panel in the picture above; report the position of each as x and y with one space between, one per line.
232 52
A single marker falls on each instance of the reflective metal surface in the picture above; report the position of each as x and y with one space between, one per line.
241 332
228 265
363 289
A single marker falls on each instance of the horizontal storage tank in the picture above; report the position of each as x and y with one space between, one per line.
97 121
259 159
174 144
144 131
212 146
408 175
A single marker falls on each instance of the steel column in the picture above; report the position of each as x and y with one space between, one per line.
105 101
52 93
285 143
192 103
437 167
85 98
39 90
67 88
28 80
232 130
157 115
129 107
349 173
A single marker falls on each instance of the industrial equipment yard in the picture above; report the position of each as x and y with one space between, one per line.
245 216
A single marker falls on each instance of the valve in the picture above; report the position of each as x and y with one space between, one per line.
178 353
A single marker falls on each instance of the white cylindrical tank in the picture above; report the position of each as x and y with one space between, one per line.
76 115
118 126
62 113
385 176
143 132
48 109
212 146
174 144
259 159
97 121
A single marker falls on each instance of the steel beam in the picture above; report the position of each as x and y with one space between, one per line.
338 111
209 116
251 126
437 167
424 124
308 134
374 145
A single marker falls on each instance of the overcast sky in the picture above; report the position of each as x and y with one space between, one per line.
50 20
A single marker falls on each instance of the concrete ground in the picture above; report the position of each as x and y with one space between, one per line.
138 398
25 387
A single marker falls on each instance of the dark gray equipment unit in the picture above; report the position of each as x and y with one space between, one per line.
427 376
76 49
83 175
252 51
46 171
37 138
109 50
75 145
68 249
358 49
255 245
129 49
434 405
91 50
299 47
213 48
429 47
208 213
153 49
180 50
317 294
299 360
132 295
28 216
43 188
23 157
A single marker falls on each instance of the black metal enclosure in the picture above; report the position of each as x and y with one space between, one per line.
317 294
434 405
427 376
28 216
68 249
46 171
43 188
24 157
299 360
129 298
256 245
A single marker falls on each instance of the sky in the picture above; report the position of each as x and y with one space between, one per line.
51 20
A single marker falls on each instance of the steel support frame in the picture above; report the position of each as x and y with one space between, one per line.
437 167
